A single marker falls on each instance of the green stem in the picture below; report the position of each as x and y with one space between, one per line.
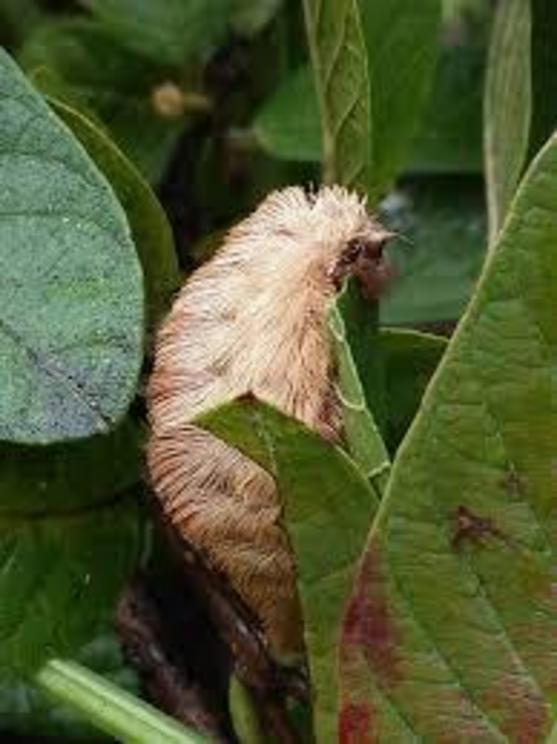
111 709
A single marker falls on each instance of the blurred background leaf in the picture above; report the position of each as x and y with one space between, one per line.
448 140
442 221
120 91
55 590
507 108
339 62
170 32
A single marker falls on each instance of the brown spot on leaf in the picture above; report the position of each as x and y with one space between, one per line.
368 621
354 724
470 527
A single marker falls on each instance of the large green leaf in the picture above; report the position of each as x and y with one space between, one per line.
442 223
328 508
63 58
168 31
451 631
507 109
150 228
71 295
60 576
340 65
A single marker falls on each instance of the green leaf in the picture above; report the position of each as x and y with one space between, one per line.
402 42
373 64
35 481
448 141
60 576
244 714
287 131
442 222
451 631
249 17
340 65
407 360
71 294
169 31
120 91
26 710
328 508
150 228
507 109
353 325
450 136
112 709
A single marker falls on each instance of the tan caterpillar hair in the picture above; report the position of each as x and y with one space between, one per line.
253 319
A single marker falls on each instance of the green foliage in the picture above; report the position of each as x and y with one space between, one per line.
55 591
339 57
456 581
372 90
305 466
397 380
289 132
243 711
149 226
507 107
168 31
425 539
120 90
442 223
353 324
72 332
401 39
249 17
69 475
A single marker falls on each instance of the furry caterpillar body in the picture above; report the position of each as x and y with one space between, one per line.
254 319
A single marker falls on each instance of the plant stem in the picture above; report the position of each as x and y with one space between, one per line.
111 709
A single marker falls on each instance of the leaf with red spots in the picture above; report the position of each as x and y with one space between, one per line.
451 630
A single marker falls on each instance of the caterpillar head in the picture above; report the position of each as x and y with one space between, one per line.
328 234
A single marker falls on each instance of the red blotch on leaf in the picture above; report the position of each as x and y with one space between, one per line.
368 621
354 723
524 713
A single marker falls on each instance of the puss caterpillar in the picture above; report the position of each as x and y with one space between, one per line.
254 319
